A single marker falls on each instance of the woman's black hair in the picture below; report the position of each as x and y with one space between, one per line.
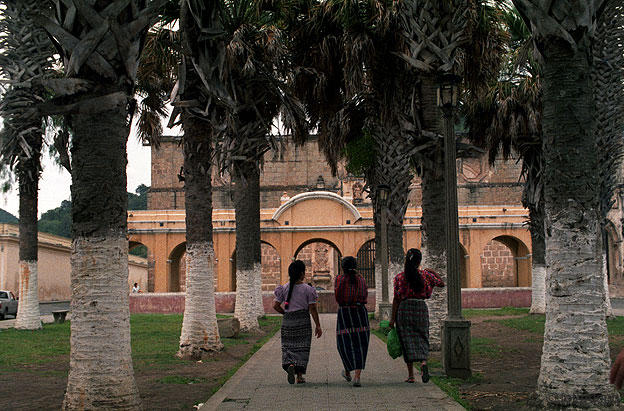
349 267
295 269
412 262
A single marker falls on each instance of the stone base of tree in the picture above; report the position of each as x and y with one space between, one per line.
228 327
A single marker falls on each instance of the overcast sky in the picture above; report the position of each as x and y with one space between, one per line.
55 182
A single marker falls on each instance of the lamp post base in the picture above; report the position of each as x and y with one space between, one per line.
385 311
456 348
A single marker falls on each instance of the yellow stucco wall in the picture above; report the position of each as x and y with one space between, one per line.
53 265
329 218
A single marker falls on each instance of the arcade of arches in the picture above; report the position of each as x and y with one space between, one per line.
321 227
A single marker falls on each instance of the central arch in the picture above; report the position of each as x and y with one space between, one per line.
322 259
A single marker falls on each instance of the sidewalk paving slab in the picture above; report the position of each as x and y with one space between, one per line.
261 383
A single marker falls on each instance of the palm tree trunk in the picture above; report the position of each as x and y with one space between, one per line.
538 283
200 333
575 358
248 252
433 246
101 373
28 315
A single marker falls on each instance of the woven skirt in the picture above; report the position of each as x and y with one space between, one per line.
296 339
353 336
412 326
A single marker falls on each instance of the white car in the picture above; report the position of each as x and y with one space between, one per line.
8 304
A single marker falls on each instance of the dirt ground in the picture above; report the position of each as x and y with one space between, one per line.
171 387
505 376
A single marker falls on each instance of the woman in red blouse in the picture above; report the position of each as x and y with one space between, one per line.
409 311
352 327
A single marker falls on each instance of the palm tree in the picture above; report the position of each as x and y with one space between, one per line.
505 118
357 90
575 357
435 33
100 43
607 77
256 69
197 102
25 61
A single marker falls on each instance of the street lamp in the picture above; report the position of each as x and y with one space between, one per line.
385 308
455 330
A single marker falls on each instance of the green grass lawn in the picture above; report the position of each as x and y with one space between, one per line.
155 340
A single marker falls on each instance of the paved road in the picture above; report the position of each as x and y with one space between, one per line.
261 383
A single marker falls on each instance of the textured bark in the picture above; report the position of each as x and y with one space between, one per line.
101 374
28 315
575 358
605 281
434 212
538 281
248 247
200 333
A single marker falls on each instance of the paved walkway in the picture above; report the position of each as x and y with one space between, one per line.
261 383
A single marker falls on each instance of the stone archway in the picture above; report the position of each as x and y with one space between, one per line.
143 251
322 260
505 262
176 269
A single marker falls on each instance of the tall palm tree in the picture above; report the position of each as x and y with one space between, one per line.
607 77
575 357
255 76
25 61
435 33
197 98
100 43
356 88
505 117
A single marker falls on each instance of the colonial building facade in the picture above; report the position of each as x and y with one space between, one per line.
310 214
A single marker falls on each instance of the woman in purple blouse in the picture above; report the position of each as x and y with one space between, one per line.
299 302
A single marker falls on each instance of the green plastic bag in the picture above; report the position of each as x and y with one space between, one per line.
394 345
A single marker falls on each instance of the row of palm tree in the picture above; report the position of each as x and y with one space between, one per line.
359 69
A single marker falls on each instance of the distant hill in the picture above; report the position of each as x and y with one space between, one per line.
6 217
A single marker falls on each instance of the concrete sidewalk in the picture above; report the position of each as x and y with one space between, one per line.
261 383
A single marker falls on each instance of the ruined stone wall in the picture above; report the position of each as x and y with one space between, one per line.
498 268
300 169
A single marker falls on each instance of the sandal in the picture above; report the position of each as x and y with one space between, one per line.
291 374
300 380
411 380
345 376
356 382
424 370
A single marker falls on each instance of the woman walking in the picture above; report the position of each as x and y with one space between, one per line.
299 301
409 310
352 328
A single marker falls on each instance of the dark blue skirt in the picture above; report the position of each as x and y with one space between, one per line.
353 336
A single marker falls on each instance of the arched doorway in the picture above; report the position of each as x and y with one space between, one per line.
176 269
505 263
366 262
322 260
146 283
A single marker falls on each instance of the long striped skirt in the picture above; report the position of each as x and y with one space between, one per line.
352 336
412 326
296 339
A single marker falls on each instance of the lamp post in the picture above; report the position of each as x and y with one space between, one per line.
385 308
455 330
